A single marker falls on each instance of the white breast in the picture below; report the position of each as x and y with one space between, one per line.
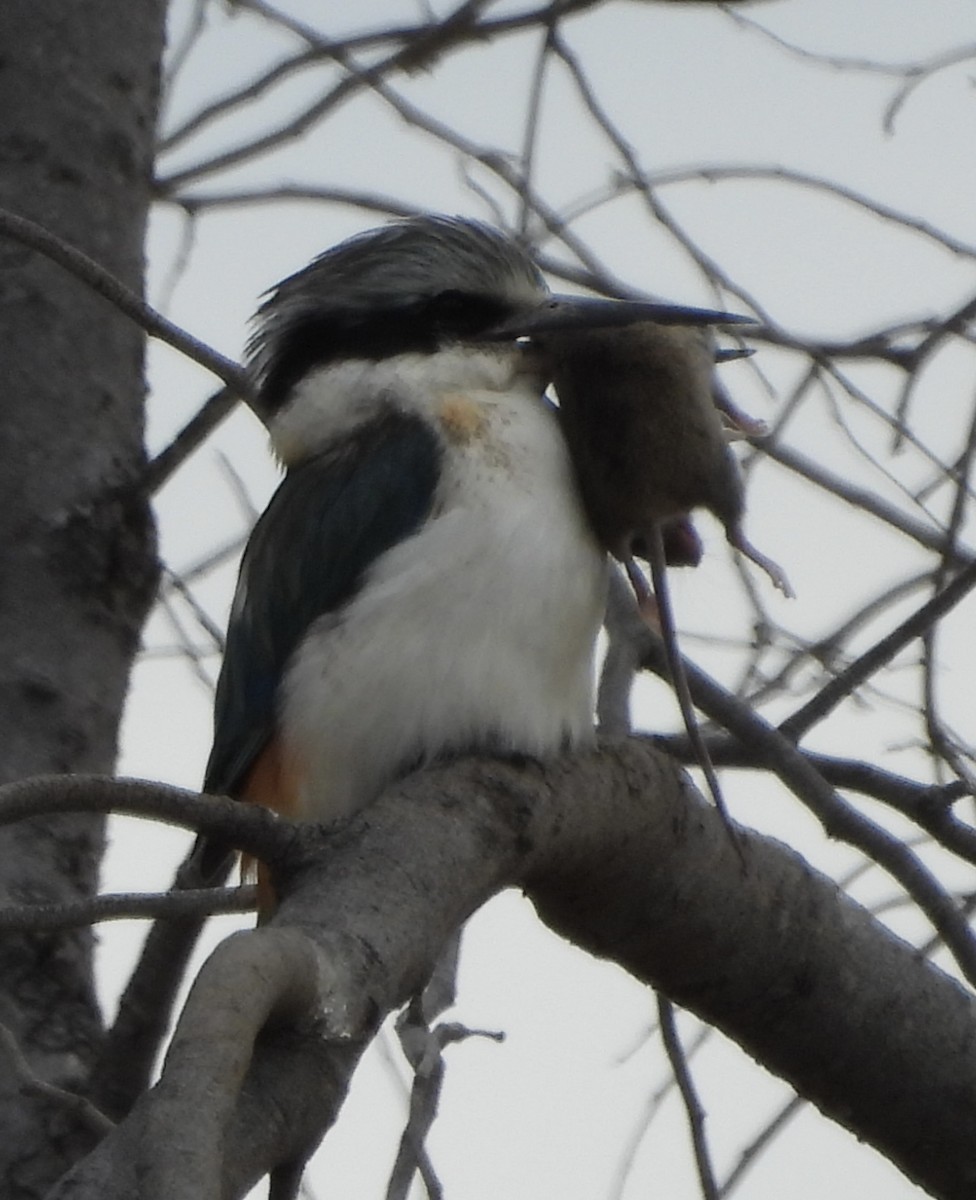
477 632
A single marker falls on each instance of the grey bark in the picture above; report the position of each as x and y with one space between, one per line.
619 854
78 95
776 957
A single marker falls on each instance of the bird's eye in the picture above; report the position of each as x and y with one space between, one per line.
460 313
450 303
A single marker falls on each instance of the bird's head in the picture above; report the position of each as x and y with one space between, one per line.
412 286
415 286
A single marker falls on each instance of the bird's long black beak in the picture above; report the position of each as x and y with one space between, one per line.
565 313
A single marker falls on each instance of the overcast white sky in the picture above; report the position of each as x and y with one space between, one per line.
554 1110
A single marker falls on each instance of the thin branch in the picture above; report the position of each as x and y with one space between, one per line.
193 434
214 632
185 646
377 202
829 648
926 535
530 136
78 1106
128 906
254 90
457 27
248 826
626 1159
29 233
943 745
129 1052
738 172
842 685
708 266
913 73
830 371
423 1049
954 323
180 260
404 37
929 806
918 76
752 1152
841 62
689 1096
183 46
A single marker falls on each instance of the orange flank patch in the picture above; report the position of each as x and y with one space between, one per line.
461 419
274 782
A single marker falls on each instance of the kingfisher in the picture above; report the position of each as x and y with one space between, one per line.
424 582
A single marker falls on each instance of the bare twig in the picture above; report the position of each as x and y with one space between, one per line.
708 266
250 827
689 1095
423 1048
407 38
925 534
131 1046
432 42
842 685
530 136
127 906
78 1106
203 422
29 233
943 746
718 172
751 1153
828 650
374 202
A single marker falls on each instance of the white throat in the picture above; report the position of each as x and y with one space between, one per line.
330 401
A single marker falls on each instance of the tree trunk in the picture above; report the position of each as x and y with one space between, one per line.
78 97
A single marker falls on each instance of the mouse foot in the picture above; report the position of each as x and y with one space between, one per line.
777 575
739 423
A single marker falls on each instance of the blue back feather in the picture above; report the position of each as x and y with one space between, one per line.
330 518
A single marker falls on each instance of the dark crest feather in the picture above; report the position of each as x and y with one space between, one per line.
411 285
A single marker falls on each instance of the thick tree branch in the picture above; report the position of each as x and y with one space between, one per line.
807 981
771 750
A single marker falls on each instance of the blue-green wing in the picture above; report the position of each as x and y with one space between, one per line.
331 517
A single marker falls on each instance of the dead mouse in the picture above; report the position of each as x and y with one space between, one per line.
642 413
648 428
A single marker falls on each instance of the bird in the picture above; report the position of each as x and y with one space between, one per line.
425 581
